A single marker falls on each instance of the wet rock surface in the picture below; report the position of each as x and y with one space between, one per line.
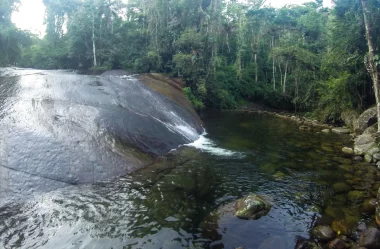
252 207
59 128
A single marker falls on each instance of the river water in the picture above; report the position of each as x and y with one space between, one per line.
172 203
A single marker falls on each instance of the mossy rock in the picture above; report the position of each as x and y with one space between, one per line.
356 196
333 211
279 176
341 227
368 206
342 199
341 187
342 160
252 207
346 167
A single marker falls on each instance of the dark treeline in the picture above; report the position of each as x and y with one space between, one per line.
306 58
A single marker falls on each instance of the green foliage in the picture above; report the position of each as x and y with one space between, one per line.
334 98
302 58
197 103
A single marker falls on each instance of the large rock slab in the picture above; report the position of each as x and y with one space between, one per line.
60 128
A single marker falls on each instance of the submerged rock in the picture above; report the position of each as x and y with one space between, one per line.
369 206
273 242
305 128
340 130
323 233
370 238
326 130
337 244
341 227
348 151
252 207
305 244
356 196
341 187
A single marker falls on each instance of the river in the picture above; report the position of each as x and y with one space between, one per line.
172 202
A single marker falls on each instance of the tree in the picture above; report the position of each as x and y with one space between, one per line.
372 60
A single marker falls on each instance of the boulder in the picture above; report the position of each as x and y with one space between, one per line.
340 130
357 158
363 144
350 118
371 130
376 157
348 151
252 207
323 233
337 244
326 130
364 139
370 238
368 158
366 119
373 151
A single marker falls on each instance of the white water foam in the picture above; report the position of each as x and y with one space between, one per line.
207 145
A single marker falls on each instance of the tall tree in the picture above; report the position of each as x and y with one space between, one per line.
370 61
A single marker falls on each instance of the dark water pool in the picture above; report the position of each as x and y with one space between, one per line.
172 203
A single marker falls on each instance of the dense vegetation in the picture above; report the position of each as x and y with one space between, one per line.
306 58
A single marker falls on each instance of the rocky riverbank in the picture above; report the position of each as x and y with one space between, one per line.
356 225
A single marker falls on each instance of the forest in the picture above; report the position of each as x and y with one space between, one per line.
303 58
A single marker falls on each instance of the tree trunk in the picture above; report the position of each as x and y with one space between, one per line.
93 36
284 85
279 65
370 63
256 69
273 67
